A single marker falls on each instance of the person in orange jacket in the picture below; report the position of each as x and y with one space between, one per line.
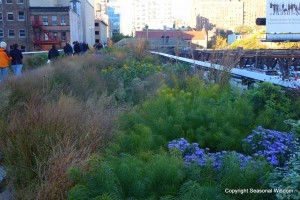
4 60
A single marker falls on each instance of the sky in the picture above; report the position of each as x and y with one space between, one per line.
181 9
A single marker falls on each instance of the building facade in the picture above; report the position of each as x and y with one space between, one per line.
253 9
68 21
14 23
50 26
136 15
101 32
114 15
226 14
222 14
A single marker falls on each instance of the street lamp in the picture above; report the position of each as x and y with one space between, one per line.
146 26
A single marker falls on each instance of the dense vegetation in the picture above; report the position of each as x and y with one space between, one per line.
125 125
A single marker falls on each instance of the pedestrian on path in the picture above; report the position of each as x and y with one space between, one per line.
53 54
17 57
68 50
4 61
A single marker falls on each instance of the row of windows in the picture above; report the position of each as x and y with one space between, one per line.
11 33
51 36
10 16
11 1
54 20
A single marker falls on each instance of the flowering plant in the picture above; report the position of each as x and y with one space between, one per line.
192 153
275 146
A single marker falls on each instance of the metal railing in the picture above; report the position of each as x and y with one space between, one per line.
153 43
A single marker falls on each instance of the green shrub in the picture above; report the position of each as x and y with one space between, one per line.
193 190
33 61
194 113
287 178
273 106
131 177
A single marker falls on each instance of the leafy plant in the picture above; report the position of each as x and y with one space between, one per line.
286 180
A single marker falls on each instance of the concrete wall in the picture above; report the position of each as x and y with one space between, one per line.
103 33
88 22
76 31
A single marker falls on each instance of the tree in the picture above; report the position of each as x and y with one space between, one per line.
220 43
117 37
248 43
289 45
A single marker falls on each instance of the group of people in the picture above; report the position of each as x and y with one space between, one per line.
76 49
13 56
99 45
285 8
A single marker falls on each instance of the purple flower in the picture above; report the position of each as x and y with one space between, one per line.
275 146
192 153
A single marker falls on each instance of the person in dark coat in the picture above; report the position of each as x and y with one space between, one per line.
68 49
77 48
17 57
53 54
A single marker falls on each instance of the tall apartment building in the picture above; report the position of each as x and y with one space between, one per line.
253 9
101 21
113 12
100 9
136 14
14 23
227 14
222 14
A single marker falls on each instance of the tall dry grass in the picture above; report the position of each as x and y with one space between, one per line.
54 118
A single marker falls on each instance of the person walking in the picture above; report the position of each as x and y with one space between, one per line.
4 61
77 48
17 57
68 49
53 54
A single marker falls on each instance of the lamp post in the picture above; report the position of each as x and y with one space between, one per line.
146 26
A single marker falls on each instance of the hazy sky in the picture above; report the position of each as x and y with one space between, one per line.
181 8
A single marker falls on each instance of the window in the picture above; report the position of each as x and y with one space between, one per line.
0 1
9 1
21 15
54 20
46 37
1 33
96 32
22 33
63 20
54 36
63 36
11 33
96 24
1 16
45 20
23 48
20 1
10 16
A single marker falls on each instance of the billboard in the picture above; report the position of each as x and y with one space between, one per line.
283 16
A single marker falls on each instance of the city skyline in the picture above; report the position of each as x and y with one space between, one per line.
166 14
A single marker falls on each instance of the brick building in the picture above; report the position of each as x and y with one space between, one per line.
14 23
50 25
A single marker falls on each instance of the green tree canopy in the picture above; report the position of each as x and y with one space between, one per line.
117 37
